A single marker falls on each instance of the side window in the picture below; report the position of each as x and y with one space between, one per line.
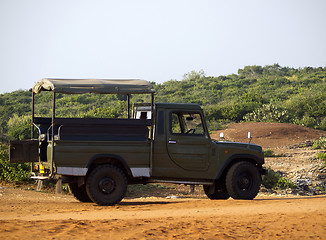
175 123
186 123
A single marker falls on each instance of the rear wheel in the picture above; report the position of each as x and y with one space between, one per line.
243 181
106 185
79 192
218 192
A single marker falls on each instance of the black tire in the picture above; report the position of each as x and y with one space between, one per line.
106 185
79 192
243 181
219 192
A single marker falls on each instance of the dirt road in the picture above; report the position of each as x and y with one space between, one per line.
35 215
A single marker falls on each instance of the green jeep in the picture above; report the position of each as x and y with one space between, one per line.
156 143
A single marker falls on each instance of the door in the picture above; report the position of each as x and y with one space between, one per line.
188 143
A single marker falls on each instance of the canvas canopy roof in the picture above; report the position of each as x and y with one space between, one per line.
78 86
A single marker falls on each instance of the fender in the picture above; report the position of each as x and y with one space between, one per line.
103 158
234 159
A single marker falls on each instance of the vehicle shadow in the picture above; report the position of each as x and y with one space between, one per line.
290 198
141 203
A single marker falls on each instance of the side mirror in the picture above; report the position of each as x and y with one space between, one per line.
189 118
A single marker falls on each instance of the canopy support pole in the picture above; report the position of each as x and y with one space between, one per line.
32 123
152 137
52 133
32 126
128 106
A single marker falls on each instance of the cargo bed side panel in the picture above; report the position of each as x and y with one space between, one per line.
78 153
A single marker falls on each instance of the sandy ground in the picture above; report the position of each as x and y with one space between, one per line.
36 215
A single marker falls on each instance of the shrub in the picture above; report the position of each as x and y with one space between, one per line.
214 125
321 155
322 188
284 183
268 153
322 124
320 143
307 121
268 112
274 180
19 127
270 180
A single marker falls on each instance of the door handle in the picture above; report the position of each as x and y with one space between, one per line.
172 142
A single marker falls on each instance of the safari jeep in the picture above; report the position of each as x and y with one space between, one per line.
156 143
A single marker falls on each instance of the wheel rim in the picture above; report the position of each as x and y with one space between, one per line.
107 185
244 181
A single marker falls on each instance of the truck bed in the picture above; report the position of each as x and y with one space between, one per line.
94 129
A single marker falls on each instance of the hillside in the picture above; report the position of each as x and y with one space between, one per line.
262 94
293 99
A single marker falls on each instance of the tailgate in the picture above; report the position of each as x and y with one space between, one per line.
24 151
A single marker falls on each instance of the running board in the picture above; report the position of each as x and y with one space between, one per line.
39 177
182 182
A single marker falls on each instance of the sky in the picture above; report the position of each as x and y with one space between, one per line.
155 40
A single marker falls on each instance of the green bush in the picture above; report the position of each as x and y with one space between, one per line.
19 127
307 121
268 153
267 113
270 180
321 155
320 143
273 180
12 172
321 188
214 125
284 183
322 124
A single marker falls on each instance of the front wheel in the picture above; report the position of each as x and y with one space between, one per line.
106 185
243 181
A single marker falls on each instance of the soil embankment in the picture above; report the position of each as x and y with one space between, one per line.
269 135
